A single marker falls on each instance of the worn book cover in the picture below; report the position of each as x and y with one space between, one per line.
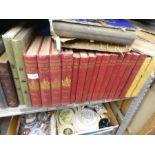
7 37
43 59
31 66
7 82
67 65
83 66
138 76
20 43
3 102
55 75
75 72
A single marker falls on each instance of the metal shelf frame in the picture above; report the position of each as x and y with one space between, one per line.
133 108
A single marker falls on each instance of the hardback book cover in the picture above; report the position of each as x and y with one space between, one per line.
3 103
129 68
7 82
115 77
133 74
31 66
20 43
75 71
138 76
105 82
83 66
148 72
101 75
43 58
55 75
111 72
89 75
7 37
94 76
123 69
67 65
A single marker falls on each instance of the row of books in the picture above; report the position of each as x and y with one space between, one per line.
33 72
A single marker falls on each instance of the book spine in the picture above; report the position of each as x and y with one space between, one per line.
11 58
129 67
3 103
33 79
75 72
101 75
67 61
138 76
94 77
148 72
107 76
8 85
91 66
19 48
81 78
111 72
55 74
44 77
115 77
133 75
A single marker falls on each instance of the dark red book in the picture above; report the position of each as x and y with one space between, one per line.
94 76
67 62
55 75
122 67
75 71
44 71
101 75
134 72
113 76
84 59
91 66
128 68
110 66
31 66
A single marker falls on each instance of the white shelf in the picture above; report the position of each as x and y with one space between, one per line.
27 110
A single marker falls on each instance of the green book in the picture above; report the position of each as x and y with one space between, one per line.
20 43
7 37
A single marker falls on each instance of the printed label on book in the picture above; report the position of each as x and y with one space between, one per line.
33 76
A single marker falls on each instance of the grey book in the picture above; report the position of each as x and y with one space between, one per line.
92 32
3 103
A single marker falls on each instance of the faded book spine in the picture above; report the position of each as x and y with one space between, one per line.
67 61
10 55
33 79
3 102
8 85
55 74
44 76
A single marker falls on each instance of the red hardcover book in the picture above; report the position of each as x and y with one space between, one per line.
30 59
91 66
128 69
43 58
75 71
105 82
134 72
113 76
67 62
55 75
122 67
101 75
82 76
94 76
